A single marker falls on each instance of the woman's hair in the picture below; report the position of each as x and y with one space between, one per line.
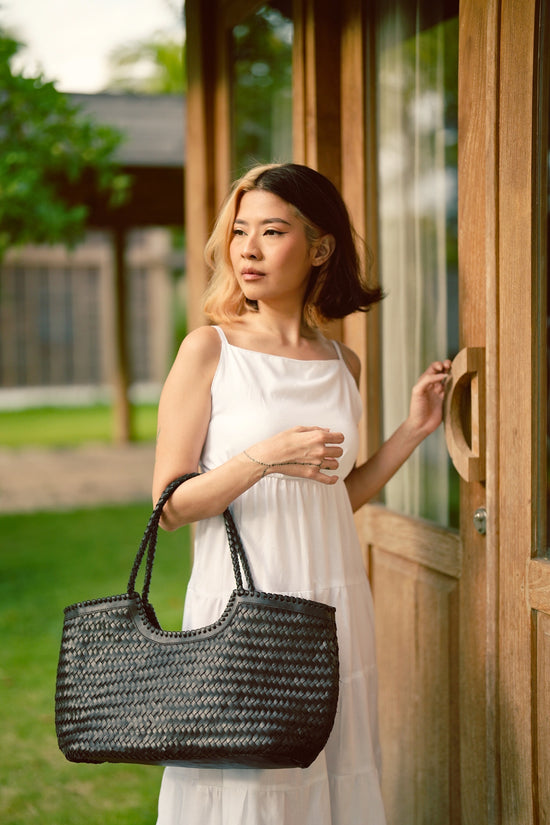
336 288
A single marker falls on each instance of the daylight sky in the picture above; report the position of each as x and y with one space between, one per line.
69 40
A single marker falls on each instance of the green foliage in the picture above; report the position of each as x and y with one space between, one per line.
49 560
155 66
45 143
71 426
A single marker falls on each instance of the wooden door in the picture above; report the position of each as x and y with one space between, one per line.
462 618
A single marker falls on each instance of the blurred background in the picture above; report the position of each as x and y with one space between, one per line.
92 310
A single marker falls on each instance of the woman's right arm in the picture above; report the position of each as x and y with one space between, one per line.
183 419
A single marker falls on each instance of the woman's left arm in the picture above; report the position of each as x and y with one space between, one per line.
425 414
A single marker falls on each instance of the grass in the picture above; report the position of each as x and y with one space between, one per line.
68 427
49 560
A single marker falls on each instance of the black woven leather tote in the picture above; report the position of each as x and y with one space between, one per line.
256 689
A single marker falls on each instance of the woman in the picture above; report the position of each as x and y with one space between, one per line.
268 408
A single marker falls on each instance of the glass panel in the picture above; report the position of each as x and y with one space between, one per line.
417 102
262 87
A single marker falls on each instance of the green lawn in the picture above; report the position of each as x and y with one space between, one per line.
70 426
47 561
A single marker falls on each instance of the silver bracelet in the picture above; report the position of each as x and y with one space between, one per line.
262 463
280 463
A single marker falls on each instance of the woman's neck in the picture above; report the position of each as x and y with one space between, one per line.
279 335
286 329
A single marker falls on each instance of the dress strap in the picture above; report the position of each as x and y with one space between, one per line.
221 333
338 349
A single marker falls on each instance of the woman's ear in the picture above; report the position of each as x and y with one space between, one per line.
323 249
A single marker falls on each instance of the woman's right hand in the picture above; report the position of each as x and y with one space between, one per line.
303 452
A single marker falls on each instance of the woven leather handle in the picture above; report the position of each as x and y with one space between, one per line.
238 556
149 542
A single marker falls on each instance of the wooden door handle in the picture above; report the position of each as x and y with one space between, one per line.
464 413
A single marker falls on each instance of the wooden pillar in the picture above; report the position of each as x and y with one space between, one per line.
359 188
201 164
316 115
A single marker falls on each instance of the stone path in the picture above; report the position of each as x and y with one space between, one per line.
64 479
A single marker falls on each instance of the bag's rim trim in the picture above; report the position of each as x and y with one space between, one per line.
137 611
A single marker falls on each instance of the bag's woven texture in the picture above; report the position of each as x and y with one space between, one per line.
258 688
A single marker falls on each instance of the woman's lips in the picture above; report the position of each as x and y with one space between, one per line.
251 275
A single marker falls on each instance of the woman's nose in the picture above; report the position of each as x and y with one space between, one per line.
250 248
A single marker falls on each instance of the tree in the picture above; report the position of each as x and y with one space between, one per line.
155 66
45 144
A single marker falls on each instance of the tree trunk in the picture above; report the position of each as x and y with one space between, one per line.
121 380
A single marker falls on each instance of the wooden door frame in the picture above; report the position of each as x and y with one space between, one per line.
524 598
477 254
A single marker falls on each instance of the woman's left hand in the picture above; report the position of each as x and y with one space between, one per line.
426 407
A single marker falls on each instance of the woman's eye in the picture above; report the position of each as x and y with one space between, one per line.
239 232
273 232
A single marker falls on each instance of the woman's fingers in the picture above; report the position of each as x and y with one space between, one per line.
438 367
436 372
427 397
324 447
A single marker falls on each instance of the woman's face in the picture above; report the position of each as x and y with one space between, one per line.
270 253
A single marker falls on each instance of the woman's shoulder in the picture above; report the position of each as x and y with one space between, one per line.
351 360
204 341
200 349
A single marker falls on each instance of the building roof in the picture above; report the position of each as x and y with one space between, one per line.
154 126
152 155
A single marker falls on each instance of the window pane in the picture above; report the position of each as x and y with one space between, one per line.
262 87
417 100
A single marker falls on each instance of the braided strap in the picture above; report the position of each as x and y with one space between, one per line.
148 545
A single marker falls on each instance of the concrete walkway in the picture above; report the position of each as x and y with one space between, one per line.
65 479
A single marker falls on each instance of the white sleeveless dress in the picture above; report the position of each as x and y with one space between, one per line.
300 539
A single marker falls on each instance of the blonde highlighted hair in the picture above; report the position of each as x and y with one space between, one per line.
224 300
335 289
